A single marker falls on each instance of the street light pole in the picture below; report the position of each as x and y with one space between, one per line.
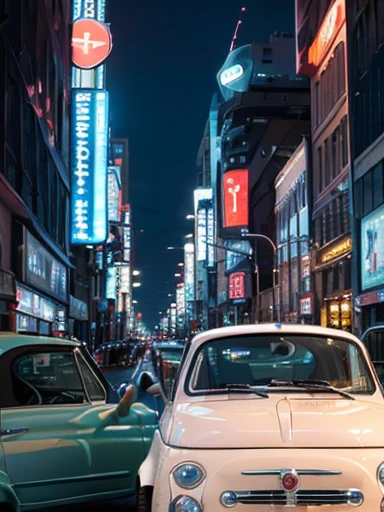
276 298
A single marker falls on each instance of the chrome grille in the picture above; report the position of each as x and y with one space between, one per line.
352 497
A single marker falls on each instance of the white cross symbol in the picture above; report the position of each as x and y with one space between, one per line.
234 191
86 43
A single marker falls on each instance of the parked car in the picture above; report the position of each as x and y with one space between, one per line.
61 442
293 419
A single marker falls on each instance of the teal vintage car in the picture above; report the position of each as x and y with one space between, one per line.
61 442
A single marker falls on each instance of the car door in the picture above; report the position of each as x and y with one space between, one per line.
58 436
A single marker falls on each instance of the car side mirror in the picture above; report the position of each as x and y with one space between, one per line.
126 402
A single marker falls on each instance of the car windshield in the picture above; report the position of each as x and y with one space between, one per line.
171 354
270 361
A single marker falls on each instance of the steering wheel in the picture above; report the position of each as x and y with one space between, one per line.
63 395
35 393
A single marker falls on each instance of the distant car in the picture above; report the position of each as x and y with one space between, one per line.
117 358
269 417
61 442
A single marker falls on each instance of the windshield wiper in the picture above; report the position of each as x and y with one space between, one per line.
321 385
245 388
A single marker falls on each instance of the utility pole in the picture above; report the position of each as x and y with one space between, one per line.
275 293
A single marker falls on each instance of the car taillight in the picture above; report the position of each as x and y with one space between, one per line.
98 358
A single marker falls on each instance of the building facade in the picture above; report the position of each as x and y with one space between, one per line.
322 47
366 92
262 119
34 166
293 235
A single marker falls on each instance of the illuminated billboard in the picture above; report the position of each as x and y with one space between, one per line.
111 283
180 305
89 166
114 187
91 9
189 272
241 251
239 287
372 249
91 43
236 73
210 238
202 202
235 199
173 317
309 17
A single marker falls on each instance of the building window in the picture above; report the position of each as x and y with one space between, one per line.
331 85
327 166
267 56
334 167
377 185
319 169
344 142
367 194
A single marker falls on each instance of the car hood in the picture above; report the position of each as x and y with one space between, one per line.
276 422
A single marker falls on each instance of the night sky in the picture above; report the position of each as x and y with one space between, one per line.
161 76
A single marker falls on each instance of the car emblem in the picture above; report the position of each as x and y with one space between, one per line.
289 480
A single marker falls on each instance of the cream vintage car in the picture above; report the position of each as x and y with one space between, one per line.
268 417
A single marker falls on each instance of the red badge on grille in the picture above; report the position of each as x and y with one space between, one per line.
289 480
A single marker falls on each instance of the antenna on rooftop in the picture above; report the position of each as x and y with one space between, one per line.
239 22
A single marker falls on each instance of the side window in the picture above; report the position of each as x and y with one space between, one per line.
95 390
46 378
181 365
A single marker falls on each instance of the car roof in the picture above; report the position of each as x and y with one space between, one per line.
11 340
276 328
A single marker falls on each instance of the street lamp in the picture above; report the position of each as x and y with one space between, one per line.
136 285
180 264
276 298
190 217
136 272
190 235
177 274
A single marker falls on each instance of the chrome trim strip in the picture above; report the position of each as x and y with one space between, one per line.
308 472
307 498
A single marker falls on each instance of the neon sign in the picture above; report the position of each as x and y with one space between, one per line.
231 74
91 43
235 191
89 167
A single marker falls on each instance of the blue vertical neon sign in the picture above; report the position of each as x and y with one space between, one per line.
89 166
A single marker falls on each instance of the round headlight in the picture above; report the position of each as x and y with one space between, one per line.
229 499
188 476
185 504
380 473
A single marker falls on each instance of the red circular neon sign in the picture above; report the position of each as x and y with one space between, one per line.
91 43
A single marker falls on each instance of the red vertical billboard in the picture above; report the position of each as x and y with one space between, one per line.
237 286
236 198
